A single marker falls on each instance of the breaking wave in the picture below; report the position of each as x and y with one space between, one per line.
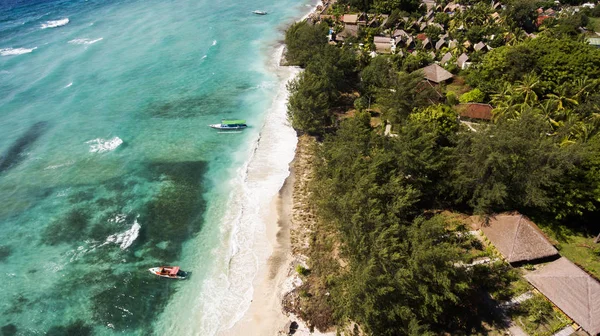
124 239
85 41
55 23
102 145
15 51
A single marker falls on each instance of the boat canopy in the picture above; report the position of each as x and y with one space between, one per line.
233 122
174 270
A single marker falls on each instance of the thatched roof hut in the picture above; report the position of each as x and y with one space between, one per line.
572 290
518 238
435 73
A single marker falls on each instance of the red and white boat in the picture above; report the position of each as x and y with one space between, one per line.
172 272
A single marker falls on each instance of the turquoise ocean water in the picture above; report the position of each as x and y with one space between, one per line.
107 166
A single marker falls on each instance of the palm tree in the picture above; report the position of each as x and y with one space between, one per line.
582 87
562 98
527 88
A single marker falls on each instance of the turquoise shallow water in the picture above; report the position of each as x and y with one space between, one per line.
107 166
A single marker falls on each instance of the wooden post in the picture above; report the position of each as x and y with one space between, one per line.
597 240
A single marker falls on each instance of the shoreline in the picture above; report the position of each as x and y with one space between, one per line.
276 276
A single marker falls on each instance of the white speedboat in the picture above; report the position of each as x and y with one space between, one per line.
259 12
230 125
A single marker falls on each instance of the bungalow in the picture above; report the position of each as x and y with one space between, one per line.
461 60
496 17
429 4
451 7
354 19
350 19
426 43
572 290
440 44
475 111
400 33
480 46
349 31
446 58
517 238
452 44
383 44
436 74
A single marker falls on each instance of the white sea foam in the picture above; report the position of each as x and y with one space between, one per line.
124 239
15 51
85 41
55 23
214 42
227 291
68 163
203 57
102 145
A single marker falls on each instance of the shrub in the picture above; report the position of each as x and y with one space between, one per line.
451 98
473 96
302 270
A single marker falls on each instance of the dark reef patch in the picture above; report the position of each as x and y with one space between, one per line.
189 107
18 304
14 155
5 252
77 328
174 214
133 302
68 228
9 330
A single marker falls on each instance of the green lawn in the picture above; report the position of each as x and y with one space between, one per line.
577 248
537 317
595 24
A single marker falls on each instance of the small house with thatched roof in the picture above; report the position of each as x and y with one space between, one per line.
517 238
480 46
446 58
349 31
475 111
440 44
436 74
461 60
350 19
572 290
383 44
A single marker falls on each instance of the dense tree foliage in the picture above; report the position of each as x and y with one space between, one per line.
539 155
554 61
303 40
329 71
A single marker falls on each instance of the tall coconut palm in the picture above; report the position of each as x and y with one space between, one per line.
527 87
562 98
582 87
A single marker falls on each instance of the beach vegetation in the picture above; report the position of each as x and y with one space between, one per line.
380 195
302 270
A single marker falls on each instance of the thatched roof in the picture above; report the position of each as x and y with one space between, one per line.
447 57
350 18
348 31
518 238
479 46
460 61
436 73
475 111
572 290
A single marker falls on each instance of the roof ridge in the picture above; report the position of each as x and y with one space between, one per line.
514 238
